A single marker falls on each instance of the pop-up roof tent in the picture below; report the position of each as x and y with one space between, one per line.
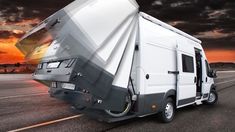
88 53
99 30
100 35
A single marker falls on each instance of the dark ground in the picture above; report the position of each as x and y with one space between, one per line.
24 102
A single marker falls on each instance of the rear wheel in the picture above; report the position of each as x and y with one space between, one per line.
124 112
168 111
213 98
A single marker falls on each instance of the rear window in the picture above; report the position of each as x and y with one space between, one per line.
35 45
187 63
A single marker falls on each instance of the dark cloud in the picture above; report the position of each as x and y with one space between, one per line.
197 17
219 43
9 34
194 16
18 35
5 34
17 10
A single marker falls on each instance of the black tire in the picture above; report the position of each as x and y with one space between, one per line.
124 112
167 116
213 98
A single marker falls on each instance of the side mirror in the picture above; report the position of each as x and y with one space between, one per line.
212 73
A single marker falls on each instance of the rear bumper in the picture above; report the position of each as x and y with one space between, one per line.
48 77
115 100
93 89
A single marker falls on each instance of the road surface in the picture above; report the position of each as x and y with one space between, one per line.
26 106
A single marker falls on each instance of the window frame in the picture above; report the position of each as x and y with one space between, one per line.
207 68
187 68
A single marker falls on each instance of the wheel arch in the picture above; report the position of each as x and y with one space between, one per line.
170 93
213 87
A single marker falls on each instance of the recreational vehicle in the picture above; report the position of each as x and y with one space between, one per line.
112 62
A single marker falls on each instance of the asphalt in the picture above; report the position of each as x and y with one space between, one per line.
26 105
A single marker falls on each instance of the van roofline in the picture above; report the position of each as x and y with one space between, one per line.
169 27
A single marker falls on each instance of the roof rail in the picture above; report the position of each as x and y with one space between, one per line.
169 27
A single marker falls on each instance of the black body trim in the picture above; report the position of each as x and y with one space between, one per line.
144 103
147 102
213 86
186 101
169 93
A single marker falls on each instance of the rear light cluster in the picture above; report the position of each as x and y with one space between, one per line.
53 84
40 66
69 86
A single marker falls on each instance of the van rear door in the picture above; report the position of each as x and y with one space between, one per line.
186 79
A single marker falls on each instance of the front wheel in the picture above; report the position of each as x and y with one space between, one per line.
168 111
213 98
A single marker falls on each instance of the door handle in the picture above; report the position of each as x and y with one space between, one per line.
195 79
173 72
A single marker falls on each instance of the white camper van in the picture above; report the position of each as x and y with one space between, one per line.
112 62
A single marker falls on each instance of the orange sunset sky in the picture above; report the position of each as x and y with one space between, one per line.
10 54
214 26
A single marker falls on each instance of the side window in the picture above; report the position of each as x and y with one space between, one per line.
187 63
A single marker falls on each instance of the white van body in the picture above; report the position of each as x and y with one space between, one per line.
162 46
96 53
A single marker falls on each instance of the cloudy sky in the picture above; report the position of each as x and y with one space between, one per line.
212 21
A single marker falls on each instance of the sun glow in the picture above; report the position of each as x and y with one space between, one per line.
220 55
11 53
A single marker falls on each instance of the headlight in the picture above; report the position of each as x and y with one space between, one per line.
69 86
